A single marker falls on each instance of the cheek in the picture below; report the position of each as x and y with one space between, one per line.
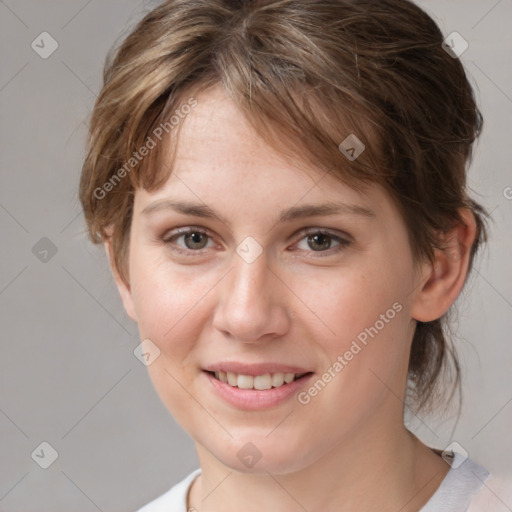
358 315
168 303
367 341
347 303
171 313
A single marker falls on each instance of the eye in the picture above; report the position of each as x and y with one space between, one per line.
320 240
194 239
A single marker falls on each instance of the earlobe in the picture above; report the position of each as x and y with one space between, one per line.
443 280
124 290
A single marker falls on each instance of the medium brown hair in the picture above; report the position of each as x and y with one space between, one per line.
306 75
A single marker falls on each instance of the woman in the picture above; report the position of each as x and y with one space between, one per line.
281 189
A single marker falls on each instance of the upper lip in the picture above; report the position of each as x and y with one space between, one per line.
254 369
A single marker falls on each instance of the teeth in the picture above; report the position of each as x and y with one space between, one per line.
288 377
245 382
260 382
263 382
232 379
277 379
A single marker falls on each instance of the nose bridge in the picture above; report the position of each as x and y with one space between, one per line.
248 283
250 306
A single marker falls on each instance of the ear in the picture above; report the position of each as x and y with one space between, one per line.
443 281
123 288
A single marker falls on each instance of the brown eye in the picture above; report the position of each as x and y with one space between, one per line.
193 240
320 241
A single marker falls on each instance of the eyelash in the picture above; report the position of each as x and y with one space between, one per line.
343 242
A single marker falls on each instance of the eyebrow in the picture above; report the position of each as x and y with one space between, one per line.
293 213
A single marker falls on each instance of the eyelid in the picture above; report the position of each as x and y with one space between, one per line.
335 233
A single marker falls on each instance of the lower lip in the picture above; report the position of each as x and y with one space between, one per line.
253 399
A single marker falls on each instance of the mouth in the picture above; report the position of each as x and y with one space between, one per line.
261 382
256 385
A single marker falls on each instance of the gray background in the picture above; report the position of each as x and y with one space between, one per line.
68 373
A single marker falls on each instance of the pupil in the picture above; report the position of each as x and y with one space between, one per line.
196 239
322 240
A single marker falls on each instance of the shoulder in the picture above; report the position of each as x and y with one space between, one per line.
175 499
495 495
459 487
469 487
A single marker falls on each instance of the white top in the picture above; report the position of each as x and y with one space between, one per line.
457 491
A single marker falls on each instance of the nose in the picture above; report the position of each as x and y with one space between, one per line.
252 305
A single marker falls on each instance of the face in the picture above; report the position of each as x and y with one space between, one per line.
265 287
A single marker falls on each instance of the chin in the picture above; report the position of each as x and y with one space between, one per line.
259 455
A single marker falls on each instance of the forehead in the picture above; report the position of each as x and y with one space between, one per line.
220 159
217 131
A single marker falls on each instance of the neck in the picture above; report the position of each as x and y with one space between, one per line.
371 471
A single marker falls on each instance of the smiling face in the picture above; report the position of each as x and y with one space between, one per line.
299 295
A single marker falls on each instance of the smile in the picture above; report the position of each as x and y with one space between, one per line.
258 391
258 382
